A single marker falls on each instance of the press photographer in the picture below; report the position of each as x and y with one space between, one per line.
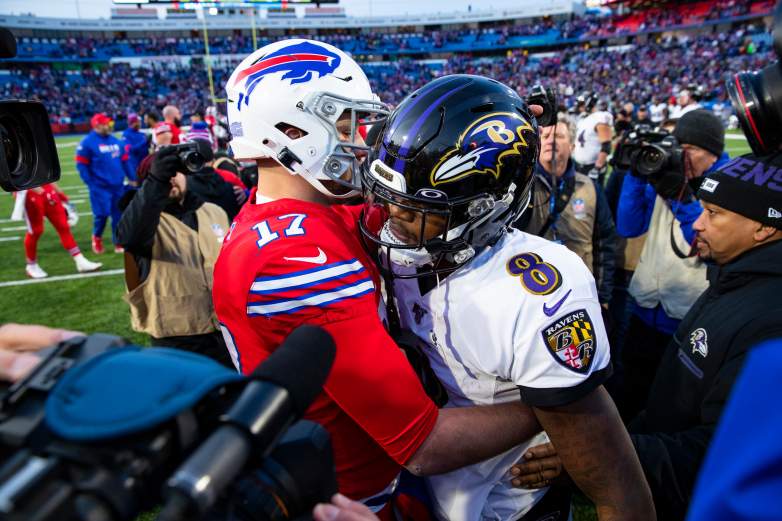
172 239
657 199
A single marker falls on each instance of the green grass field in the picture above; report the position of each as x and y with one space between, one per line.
94 304
88 304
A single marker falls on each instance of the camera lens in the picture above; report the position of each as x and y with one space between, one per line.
194 161
10 143
757 99
651 159
18 149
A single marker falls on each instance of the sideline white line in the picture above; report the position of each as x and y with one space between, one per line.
67 145
80 214
4 239
61 277
77 201
14 229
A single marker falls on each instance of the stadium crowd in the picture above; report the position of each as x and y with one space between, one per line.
634 73
497 35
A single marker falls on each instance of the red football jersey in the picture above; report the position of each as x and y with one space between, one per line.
290 262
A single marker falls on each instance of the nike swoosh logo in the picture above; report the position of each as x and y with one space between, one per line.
320 259
549 311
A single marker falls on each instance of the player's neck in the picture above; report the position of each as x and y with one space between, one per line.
277 183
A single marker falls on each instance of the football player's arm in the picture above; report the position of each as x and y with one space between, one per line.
373 382
604 135
466 435
596 451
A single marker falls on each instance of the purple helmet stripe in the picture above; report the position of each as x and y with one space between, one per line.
399 164
401 116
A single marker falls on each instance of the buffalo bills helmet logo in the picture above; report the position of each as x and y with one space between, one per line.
482 147
298 61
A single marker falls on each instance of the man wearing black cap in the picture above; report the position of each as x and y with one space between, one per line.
669 277
738 236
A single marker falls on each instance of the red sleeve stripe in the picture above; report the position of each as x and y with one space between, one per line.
83 160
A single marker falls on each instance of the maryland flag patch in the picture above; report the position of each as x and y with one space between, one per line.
571 341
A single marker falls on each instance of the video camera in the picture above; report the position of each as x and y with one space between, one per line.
28 154
192 157
757 98
103 431
649 153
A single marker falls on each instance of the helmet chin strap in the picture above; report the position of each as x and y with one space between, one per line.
320 187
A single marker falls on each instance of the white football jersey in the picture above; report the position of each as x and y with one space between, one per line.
520 321
679 111
657 112
587 142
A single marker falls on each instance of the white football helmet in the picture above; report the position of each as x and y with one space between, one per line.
308 85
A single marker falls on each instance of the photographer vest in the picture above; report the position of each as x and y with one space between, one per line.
176 297
661 277
574 224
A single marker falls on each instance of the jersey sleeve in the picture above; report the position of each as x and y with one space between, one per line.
606 119
566 355
318 281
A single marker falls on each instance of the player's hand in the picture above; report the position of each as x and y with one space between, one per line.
343 509
537 468
165 165
241 195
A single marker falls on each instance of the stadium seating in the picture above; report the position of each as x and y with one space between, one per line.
77 76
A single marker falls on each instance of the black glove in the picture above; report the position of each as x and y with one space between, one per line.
671 185
165 165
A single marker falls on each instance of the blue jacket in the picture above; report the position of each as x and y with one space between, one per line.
102 161
742 476
633 216
136 146
636 203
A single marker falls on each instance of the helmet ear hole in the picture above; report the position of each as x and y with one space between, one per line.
290 131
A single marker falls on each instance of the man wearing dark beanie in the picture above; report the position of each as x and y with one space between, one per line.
668 277
738 236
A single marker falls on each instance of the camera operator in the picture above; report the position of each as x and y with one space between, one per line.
738 235
667 279
568 207
593 142
210 185
172 238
